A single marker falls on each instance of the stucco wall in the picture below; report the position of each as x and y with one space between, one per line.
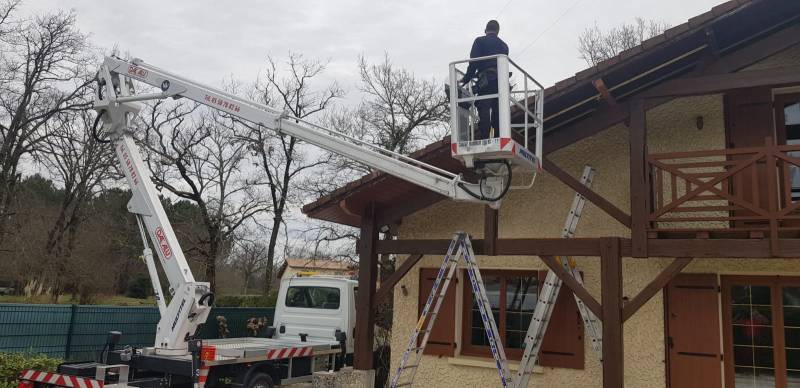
540 212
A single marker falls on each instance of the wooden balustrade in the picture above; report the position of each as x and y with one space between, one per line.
744 189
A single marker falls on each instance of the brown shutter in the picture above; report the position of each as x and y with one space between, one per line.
442 341
692 326
563 342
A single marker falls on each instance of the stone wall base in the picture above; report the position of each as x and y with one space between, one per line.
345 378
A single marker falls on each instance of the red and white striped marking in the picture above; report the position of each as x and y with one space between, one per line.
276 354
60 380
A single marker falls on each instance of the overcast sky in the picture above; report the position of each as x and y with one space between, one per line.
211 40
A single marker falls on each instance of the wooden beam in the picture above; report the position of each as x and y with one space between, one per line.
490 221
718 83
600 85
586 192
722 248
611 283
398 275
656 285
505 247
578 289
639 184
367 277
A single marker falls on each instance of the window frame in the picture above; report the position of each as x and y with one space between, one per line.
776 285
467 348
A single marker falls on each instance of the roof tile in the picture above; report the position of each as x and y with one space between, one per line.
724 8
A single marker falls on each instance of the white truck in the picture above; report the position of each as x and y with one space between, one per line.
313 331
315 316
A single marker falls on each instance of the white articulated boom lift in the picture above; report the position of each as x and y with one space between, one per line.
302 341
191 300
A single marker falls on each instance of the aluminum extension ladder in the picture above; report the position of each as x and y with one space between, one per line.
549 294
459 246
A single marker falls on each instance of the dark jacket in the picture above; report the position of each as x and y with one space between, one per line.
481 47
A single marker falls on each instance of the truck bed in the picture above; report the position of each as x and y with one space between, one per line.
237 350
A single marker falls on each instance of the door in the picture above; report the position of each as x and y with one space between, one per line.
749 122
787 127
692 328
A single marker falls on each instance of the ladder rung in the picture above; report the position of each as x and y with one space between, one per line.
406 384
410 366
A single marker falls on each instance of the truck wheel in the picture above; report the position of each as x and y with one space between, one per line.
260 380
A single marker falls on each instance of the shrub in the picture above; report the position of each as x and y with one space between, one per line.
11 364
140 287
246 300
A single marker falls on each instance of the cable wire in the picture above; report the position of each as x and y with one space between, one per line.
558 19
503 9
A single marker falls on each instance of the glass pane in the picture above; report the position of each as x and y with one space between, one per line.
521 293
765 378
521 296
752 335
760 295
793 359
792 338
740 315
763 357
313 297
740 295
754 378
742 356
793 379
478 335
791 316
791 296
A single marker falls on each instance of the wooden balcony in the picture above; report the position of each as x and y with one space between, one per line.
728 193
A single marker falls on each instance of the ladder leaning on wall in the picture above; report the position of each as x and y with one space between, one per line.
549 294
461 246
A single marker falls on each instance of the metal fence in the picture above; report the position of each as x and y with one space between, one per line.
78 332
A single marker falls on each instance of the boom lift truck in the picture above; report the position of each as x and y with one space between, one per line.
306 336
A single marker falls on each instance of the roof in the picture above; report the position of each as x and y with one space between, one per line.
314 265
677 51
317 264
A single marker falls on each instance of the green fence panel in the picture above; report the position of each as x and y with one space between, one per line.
79 332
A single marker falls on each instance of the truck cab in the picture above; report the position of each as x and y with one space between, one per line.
316 307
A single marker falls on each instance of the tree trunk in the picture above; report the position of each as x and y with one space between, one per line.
273 240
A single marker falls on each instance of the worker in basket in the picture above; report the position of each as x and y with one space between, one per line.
486 73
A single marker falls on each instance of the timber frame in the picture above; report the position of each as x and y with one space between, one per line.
714 73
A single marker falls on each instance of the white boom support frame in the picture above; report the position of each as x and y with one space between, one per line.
191 300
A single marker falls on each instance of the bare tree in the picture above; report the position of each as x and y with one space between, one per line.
249 258
199 156
284 161
399 112
81 164
596 45
43 75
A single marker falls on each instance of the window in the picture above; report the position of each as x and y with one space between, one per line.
513 296
761 317
313 297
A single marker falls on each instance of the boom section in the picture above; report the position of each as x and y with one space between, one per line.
487 191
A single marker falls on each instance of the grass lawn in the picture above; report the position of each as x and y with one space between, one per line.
112 300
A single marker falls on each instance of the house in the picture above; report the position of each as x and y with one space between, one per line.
690 241
293 267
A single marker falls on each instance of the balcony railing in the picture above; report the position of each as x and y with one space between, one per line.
748 190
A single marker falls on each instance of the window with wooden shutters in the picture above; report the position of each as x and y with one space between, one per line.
442 341
692 328
513 296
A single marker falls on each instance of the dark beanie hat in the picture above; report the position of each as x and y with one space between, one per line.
493 25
